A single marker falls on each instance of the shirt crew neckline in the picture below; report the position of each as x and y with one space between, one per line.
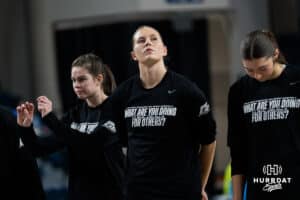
96 107
140 83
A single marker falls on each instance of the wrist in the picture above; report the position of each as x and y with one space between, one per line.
45 114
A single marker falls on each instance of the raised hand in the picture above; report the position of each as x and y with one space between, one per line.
25 114
44 105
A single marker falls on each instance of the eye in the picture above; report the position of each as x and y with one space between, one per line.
81 79
141 40
153 38
262 69
250 71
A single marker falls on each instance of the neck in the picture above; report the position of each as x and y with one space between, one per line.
278 69
96 99
152 75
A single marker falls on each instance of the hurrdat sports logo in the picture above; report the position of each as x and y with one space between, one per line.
273 179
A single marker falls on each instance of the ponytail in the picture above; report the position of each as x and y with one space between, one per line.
109 83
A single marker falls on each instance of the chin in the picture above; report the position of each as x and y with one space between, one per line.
262 80
81 97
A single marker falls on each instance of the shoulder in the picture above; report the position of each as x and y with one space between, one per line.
182 82
124 88
186 86
241 83
293 71
4 111
292 67
7 118
75 109
187 90
78 106
6 114
180 79
240 90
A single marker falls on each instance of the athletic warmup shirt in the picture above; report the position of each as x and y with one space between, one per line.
94 152
19 176
164 127
264 134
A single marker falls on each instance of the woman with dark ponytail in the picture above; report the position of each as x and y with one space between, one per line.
95 154
263 122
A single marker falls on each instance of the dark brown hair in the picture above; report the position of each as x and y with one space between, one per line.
95 66
260 43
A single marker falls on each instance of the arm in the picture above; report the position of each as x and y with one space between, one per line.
206 156
38 146
73 137
203 122
59 128
238 182
115 112
236 141
8 144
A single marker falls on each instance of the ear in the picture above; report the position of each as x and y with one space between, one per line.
165 51
99 78
133 56
276 54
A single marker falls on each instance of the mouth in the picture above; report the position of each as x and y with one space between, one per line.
78 92
148 50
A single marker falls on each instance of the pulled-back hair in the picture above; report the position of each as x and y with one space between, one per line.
260 43
141 27
95 66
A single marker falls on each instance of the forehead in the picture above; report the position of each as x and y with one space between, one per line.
144 32
256 62
79 71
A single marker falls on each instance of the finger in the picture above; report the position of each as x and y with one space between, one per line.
42 98
30 107
27 105
23 106
19 109
26 112
41 105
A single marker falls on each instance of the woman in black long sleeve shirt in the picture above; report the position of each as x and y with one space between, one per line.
94 153
165 119
263 122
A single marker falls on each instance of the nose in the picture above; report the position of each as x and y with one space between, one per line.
257 76
76 84
148 41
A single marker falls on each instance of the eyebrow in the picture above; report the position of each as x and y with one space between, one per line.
262 66
151 35
81 76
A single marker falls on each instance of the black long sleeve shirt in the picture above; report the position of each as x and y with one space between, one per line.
94 154
264 134
163 128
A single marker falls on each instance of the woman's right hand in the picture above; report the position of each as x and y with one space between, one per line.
25 114
44 105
